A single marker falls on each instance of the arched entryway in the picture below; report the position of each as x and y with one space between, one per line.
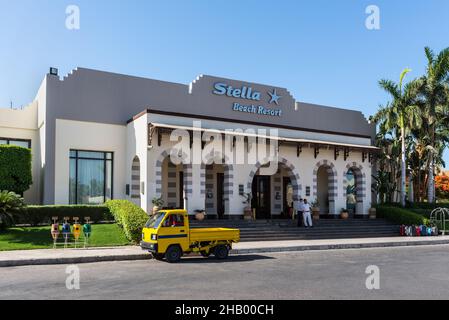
354 187
325 186
272 194
135 191
173 180
217 185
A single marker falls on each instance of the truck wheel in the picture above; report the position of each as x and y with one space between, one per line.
221 252
173 254
158 256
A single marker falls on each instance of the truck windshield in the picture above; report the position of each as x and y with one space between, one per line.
155 220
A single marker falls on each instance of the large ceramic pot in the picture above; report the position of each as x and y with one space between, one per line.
316 213
372 213
200 216
248 213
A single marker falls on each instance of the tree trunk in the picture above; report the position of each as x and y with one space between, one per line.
431 182
419 182
411 191
431 178
403 169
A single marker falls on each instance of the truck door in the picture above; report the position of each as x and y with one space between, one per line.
174 230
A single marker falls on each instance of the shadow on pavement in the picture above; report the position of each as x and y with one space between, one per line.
212 259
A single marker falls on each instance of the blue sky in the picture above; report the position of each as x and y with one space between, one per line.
320 50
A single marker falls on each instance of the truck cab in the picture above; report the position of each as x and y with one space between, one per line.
167 235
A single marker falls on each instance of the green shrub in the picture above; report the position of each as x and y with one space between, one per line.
36 215
129 217
9 204
15 168
401 216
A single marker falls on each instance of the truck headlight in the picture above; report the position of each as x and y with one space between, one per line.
154 237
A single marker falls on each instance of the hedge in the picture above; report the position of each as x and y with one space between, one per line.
15 169
418 205
36 215
427 206
129 217
401 216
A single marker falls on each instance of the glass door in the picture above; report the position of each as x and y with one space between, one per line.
262 197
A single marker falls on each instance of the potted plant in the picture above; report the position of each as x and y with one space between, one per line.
316 210
344 215
200 214
247 210
157 204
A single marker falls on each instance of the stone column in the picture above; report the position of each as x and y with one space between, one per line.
194 180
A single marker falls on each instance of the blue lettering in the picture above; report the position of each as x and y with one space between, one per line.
261 110
242 93
220 88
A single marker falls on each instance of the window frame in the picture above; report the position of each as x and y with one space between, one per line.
105 161
8 141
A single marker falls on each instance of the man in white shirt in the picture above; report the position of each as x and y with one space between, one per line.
307 214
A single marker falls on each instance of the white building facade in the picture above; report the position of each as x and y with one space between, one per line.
96 136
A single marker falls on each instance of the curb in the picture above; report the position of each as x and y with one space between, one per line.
340 246
73 260
146 256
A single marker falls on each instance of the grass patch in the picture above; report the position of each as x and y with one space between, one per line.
103 235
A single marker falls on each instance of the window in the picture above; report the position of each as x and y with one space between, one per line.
16 142
90 177
155 220
174 220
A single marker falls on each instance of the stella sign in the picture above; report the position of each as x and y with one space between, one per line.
248 93
243 93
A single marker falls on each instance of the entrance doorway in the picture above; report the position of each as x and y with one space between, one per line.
287 196
261 200
351 192
220 196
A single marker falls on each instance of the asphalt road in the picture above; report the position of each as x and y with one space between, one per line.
405 273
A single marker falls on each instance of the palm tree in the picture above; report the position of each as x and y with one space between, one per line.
403 113
434 90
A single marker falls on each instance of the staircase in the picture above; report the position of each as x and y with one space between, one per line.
272 230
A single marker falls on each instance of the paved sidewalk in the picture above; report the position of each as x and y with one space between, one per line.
68 256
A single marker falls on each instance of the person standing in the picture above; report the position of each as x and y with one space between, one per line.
299 211
307 215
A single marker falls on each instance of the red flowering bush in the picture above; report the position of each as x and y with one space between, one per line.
442 186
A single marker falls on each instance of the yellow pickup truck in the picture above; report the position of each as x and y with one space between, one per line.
168 235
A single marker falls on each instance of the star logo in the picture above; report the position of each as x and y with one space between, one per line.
274 97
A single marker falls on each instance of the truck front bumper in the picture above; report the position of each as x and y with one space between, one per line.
152 247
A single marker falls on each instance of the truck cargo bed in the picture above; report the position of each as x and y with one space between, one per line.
214 234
